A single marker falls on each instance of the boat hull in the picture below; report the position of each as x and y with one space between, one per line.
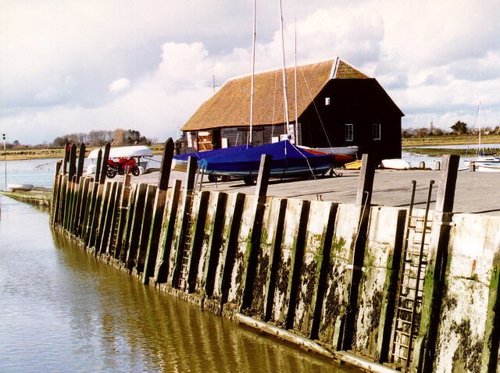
487 167
340 150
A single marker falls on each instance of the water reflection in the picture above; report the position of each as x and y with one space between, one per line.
65 311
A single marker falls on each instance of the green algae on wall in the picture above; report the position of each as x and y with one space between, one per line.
469 296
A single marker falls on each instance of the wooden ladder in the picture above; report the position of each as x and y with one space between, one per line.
411 281
186 254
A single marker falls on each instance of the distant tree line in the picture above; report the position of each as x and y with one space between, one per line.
459 128
118 137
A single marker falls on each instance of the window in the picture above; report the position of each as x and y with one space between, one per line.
349 132
377 131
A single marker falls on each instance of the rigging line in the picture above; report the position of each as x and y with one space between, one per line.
478 150
317 111
307 160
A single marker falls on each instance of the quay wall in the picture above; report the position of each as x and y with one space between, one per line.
384 288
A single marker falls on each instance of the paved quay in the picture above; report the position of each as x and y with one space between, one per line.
476 192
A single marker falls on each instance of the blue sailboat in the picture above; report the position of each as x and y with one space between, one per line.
287 160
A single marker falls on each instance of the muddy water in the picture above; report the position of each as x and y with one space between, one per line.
63 311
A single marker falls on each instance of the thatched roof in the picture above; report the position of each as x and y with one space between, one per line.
230 105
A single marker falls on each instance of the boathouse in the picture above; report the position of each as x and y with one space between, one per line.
335 105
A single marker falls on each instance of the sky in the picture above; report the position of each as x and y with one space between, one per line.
70 66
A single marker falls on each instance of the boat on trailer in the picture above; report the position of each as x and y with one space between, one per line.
141 153
180 161
287 161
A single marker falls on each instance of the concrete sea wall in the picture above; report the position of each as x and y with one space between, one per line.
384 288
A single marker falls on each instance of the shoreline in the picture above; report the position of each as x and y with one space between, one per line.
408 144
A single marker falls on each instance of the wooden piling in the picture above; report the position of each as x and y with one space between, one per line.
315 265
363 200
298 258
146 224
185 220
72 202
72 161
83 205
81 160
259 208
118 239
104 165
91 221
97 175
66 158
214 245
136 224
229 249
162 268
166 164
275 256
198 232
109 217
56 194
103 209
158 211
64 199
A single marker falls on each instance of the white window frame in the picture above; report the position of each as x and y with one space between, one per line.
349 132
377 131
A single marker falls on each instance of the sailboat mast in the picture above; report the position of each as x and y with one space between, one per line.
296 126
252 88
480 145
285 99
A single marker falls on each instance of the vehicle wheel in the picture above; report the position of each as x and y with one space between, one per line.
136 171
111 173
212 178
226 178
249 180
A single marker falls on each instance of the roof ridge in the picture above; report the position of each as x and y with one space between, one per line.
278 69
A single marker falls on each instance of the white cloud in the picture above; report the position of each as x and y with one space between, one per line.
119 85
76 66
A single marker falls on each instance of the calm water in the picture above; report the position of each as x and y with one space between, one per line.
63 311
39 172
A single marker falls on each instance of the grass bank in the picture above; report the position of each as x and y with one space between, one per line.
449 140
30 153
418 145
411 144
36 153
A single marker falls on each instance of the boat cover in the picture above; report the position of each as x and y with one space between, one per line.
124 151
211 153
286 159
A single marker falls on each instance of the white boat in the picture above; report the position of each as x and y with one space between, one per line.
485 159
395 164
19 187
481 159
343 150
487 167
140 152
